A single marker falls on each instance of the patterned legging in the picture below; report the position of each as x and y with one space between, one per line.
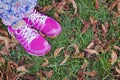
12 11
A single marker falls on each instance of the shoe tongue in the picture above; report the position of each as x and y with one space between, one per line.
19 29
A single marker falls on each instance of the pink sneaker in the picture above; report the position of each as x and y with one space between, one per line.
32 42
44 24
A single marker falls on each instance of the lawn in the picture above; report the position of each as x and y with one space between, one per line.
92 53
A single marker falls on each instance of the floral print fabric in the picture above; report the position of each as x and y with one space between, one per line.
12 11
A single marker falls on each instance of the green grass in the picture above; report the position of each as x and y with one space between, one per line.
72 27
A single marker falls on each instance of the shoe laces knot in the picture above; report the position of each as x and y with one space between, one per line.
36 17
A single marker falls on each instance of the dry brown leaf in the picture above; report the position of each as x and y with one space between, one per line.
113 4
114 22
76 47
90 45
118 7
80 75
29 65
91 20
8 44
57 51
105 28
119 64
94 23
10 75
84 65
107 49
43 75
6 40
116 47
91 51
65 78
48 74
74 6
40 75
3 33
23 60
56 15
1 76
22 69
92 73
80 55
29 77
13 64
47 8
96 4
45 63
117 70
86 25
2 61
65 59
59 7
113 57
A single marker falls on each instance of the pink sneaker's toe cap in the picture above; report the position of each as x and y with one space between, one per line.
39 46
52 28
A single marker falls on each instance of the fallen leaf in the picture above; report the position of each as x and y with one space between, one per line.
96 4
40 75
86 25
104 29
13 65
66 55
80 55
10 75
8 44
1 76
59 7
119 64
90 45
3 33
29 65
76 47
113 4
6 41
45 63
57 51
91 74
116 47
91 51
117 70
114 22
29 77
80 75
65 78
2 61
48 74
23 60
118 7
74 6
84 65
107 49
113 57
94 23
56 15
22 69
47 8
